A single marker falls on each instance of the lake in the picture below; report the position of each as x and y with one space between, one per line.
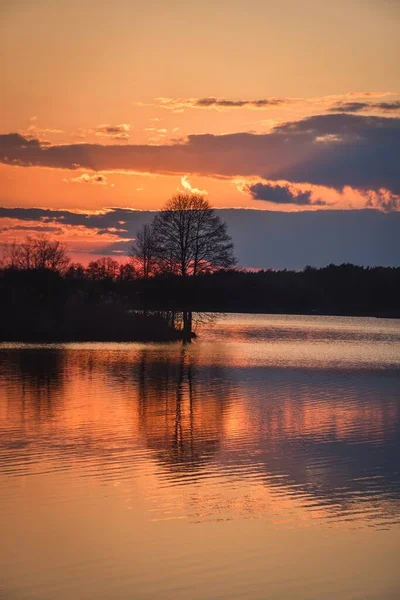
261 461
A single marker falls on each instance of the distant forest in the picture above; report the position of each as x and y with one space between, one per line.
91 303
182 263
333 290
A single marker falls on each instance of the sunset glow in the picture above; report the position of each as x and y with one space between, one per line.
199 299
203 109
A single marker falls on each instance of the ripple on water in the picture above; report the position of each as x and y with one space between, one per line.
175 470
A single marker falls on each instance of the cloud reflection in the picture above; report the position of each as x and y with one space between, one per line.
241 441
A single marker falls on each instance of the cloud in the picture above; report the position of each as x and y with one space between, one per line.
221 104
188 187
105 219
113 230
39 133
283 194
178 105
333 150
116 132
97 179
156 135
382 199
31 228
93 232
33 131
367 237
355 107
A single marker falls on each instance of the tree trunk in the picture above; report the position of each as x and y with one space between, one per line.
187 326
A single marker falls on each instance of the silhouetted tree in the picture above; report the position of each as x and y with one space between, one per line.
186 238
190 238
126 272
75 271
144 252
36 253
103 268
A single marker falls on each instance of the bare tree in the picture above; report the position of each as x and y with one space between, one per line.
75 271
143 251
127 272
36 253
186 238
189 238
103 268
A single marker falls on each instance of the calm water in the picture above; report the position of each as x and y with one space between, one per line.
260 462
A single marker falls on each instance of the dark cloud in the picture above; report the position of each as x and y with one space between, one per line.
16 140
282 194
212 102
109 221
262 238
116 132
333 150
389 105
113 230
38 228
354 107
349 107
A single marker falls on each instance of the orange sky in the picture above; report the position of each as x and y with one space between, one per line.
128 73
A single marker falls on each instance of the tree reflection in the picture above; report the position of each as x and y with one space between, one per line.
181 423
323 438
36 378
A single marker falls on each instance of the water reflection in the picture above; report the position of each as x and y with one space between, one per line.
324 441
38 375
180 417
283 445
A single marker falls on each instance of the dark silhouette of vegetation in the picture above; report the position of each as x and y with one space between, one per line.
143 251
42 305
46 297
36 253
186 239
333 290
109 300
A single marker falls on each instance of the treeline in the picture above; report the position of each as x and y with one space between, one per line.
345 289
182 263
43 297
41 305
335 290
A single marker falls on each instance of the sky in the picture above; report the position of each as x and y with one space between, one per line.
274 107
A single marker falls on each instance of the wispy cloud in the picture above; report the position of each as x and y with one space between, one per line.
16 224
221 104
187 187
178 105
34 131
355 107
114 132
156 135
96 179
